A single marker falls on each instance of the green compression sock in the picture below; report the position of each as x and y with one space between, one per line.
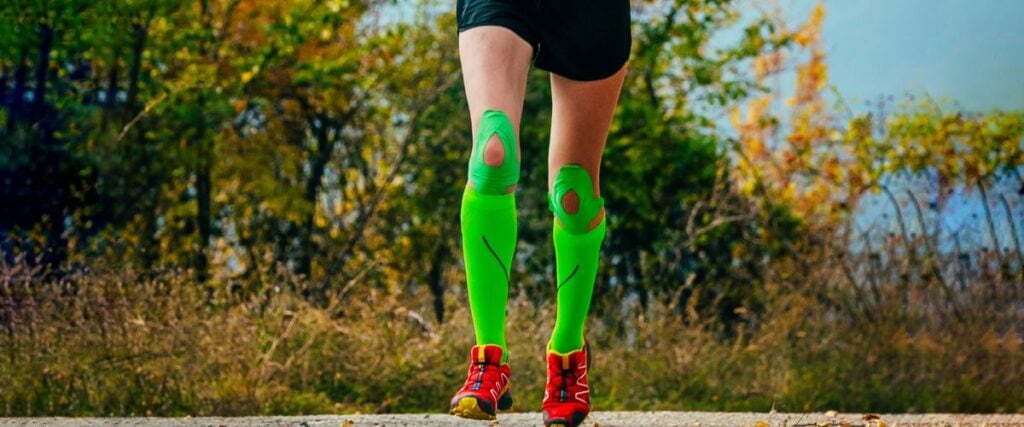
489 230
577 252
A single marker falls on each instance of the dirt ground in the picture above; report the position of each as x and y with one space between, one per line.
598 419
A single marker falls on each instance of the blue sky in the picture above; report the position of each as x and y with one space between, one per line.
971 51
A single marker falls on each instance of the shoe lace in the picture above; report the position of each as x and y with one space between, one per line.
478 372
564 379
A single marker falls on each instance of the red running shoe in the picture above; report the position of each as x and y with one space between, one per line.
486 387
567 395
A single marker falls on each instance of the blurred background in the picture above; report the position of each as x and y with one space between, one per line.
245 207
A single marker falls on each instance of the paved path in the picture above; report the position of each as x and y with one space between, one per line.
599 419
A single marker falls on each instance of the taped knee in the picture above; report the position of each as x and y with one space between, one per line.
487 179
575 179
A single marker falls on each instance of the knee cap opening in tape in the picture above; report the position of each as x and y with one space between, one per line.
574 178
487 179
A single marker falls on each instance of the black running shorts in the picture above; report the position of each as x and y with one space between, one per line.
577 39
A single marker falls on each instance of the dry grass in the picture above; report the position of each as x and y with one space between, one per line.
112 343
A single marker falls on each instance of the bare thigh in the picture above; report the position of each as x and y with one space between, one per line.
495 63
581 113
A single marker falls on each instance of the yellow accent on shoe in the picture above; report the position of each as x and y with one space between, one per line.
468 408
551 349
565 356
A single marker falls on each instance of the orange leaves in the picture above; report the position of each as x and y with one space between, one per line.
240 105
809 121
756 147
767 64
812 78
797 167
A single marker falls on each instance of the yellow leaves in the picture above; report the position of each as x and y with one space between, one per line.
754 127
747 186
832 169
159 25
818 14
734 117
811 32
789 191
803 38
756 147
326 33
248 75
757 109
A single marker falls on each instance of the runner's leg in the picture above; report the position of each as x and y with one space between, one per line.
495 62
581 115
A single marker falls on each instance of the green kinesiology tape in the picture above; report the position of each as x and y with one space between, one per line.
490 179
577 253
489 230
574 178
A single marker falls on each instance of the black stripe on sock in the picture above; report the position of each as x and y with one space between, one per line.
574 270
496 257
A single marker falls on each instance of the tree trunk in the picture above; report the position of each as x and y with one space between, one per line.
1016 239
203 185
42 68
988 218
318 164
911 254
995 238
203 218
18 97
110 101
3 83
139 34
933 261
111 96
434 280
